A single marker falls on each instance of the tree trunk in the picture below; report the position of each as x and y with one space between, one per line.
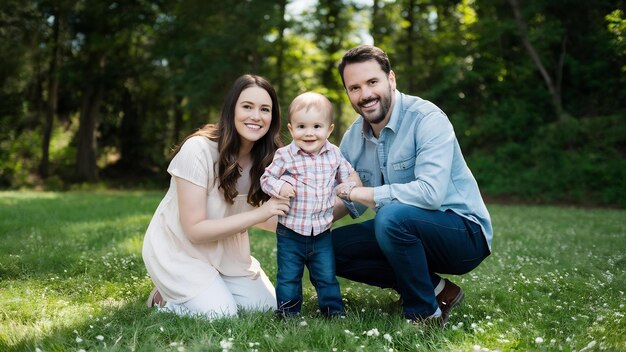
410 40
376 23
280 59
130 133
86 167
178 120
340 126
51 105
554 89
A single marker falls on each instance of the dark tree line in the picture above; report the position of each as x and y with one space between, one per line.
99 90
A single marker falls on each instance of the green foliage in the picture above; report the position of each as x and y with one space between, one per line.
159 69
580 161
16 168
72 277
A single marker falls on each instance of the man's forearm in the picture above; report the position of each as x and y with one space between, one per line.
363 195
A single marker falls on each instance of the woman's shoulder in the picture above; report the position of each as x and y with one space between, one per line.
201 142
199 148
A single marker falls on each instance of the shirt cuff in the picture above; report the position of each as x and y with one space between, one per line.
288 179
382 195
274 187
355 210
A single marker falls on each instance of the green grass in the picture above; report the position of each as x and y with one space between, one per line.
72 278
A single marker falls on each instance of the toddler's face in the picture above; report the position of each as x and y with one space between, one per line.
310 129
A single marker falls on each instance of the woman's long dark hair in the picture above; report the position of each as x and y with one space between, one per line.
228 141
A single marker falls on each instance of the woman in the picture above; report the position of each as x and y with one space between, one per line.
196 248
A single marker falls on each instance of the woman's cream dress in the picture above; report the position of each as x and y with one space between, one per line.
179 269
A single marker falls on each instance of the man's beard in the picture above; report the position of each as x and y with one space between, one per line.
376 117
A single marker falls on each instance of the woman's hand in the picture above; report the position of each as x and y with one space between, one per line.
276 206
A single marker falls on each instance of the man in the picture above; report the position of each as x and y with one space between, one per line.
430 216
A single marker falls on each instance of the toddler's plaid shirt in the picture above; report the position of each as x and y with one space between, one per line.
313 178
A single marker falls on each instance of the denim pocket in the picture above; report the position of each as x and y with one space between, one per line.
403 171
478 244
366 177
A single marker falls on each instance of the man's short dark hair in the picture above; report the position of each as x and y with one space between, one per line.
364 53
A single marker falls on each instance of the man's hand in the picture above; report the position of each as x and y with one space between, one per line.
343 190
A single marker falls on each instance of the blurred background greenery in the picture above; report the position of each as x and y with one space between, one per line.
94 93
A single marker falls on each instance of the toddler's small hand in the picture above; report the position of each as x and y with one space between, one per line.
287 191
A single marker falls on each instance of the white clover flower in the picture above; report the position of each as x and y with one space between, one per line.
538 340
161 328
374 332
387 337
304 323
78 339
589 346
226 344
476 348
100 338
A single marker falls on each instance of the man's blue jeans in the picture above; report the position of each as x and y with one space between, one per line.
294 251
413 243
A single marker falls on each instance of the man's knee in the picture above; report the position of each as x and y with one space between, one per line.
391 222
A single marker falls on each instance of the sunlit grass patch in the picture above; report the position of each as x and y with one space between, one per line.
72 278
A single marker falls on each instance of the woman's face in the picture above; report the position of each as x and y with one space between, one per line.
253 115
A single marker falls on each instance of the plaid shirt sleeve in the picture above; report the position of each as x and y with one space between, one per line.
345 169
274 176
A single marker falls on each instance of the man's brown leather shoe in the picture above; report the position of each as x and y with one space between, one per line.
451 296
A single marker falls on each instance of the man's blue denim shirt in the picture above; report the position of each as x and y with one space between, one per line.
416 160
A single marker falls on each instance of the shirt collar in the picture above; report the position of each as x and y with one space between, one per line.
394 120
296 150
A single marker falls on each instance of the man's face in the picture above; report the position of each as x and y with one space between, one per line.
370 90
